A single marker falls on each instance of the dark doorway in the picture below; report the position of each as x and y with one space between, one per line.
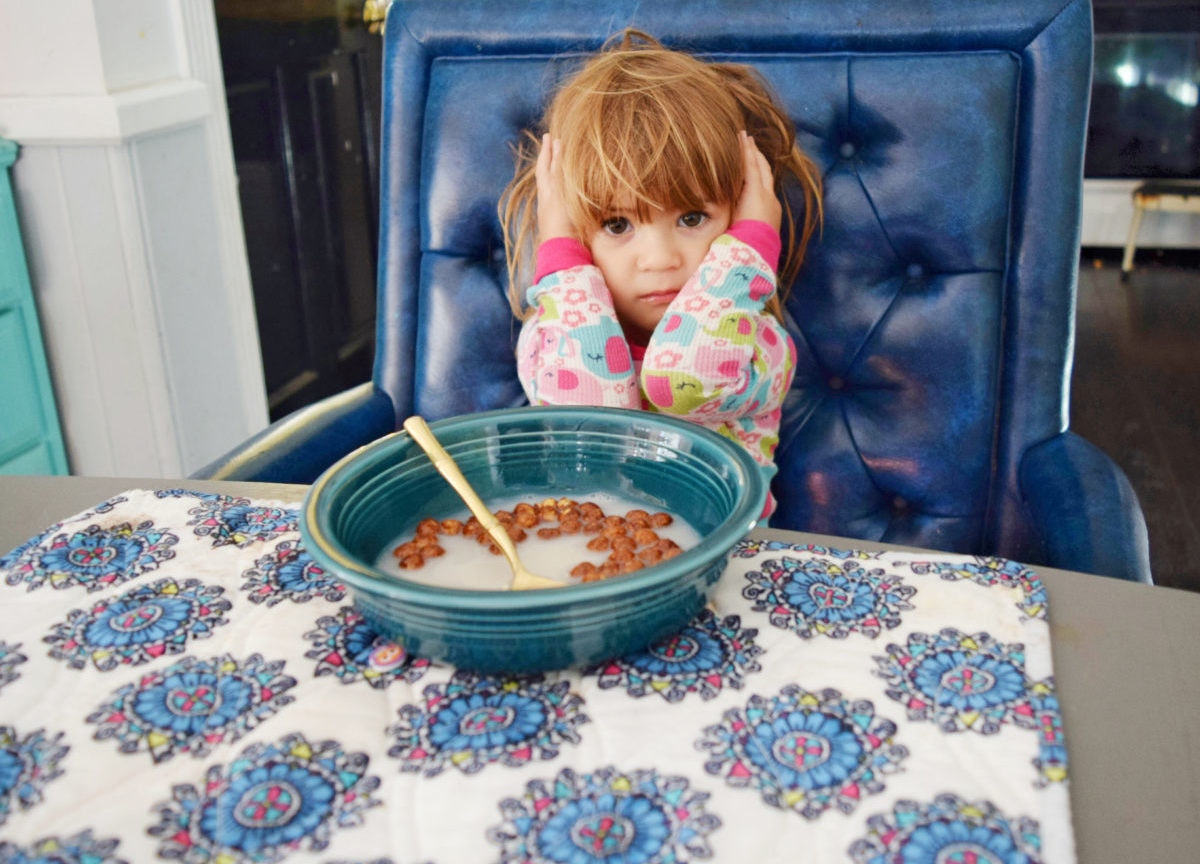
302 82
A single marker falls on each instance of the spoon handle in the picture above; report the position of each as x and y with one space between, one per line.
448 468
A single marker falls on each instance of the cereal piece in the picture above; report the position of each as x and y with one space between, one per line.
432 551
405 549
637 519
422 540
614 521
624 543
526 515
452 527
599 543
615 530
504 517
591 510
428 527
631 565
645 537
412 562
516 532
609 568
592 526
571 525
583 570
661 520
650 555
620 556
670 551
549 533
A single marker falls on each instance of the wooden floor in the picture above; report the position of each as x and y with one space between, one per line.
1136 392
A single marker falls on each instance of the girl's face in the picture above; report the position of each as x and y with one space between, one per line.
646 262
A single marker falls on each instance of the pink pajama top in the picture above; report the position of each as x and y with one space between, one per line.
716 357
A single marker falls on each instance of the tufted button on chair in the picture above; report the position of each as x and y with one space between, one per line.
933 317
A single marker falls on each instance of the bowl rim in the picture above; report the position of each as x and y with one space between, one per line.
363 577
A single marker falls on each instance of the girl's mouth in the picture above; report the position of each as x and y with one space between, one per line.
660 298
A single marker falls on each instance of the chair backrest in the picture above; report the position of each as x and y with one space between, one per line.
934 315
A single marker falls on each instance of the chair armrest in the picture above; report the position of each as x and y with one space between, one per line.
1085 512
297 448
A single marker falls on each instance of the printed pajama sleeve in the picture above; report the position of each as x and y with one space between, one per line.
717 355
572 350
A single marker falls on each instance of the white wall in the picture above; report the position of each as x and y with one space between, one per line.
127 197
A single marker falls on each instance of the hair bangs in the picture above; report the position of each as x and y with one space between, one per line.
640 140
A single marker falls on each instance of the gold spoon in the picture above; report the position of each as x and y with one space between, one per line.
523 579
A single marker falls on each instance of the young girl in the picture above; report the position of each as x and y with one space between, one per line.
654 197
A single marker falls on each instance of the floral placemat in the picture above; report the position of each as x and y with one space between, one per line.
180 681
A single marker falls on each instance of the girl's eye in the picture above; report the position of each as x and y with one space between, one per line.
694 219
616 226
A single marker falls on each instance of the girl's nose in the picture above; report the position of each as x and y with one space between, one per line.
658 251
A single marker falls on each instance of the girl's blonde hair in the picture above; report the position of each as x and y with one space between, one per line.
642 123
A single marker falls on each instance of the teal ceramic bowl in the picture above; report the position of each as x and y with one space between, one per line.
358 508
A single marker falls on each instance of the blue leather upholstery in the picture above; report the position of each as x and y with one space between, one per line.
933 318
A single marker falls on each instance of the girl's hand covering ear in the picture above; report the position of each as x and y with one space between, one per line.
757 200
552 218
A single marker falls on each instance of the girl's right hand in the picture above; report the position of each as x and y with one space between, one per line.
552 217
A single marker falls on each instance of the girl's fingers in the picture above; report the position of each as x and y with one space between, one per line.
757 199
758 169
545 155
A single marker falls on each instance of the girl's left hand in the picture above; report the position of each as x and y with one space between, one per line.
757 199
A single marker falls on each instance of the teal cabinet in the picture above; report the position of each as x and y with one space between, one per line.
30 437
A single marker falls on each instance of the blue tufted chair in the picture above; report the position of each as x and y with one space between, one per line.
934 315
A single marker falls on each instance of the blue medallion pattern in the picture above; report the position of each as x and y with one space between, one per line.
288 572
959 681
608 817
803 751
26 766
96 557
705 657
10 659
272 800
149 622
193 706
240 522
81 848
990 572
948 831
11 558
474 721
347 647
827 597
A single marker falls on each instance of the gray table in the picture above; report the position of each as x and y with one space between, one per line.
1126 659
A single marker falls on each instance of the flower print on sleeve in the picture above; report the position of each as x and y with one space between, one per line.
717 355
572 351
